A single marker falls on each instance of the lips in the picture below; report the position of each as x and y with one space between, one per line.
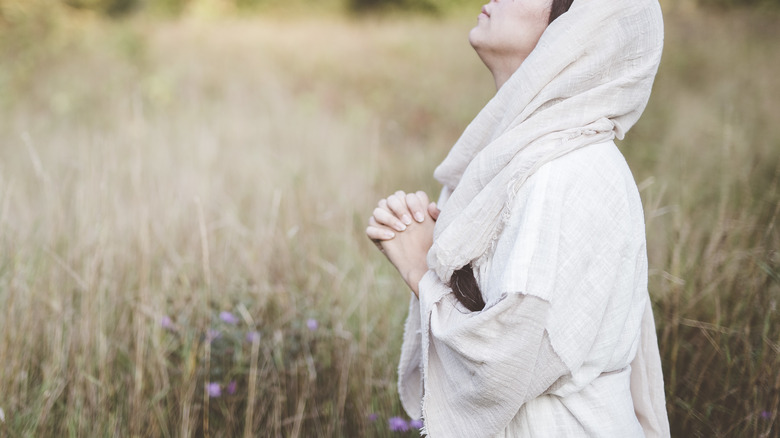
485 11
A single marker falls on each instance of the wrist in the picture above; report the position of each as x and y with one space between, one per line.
413 277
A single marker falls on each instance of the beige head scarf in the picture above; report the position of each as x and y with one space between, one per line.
587 81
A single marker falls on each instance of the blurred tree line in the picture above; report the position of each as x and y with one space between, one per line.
176 7
116 8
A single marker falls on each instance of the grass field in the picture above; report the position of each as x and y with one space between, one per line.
156 174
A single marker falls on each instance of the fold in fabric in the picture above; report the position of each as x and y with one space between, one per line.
647 381
474 380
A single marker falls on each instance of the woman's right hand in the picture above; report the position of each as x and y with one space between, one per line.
395 212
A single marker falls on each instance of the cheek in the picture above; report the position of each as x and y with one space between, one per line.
534 16
521 36
537 29
541 8
511 31
532 24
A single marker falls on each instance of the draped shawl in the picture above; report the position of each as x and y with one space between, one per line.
587 81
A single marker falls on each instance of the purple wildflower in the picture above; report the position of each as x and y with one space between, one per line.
212 334
398 424
228 318
373 417
766 415
252 337
231 388
312 324
416 424
214 390
166 322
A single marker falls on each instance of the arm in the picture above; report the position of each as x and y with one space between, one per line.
481 367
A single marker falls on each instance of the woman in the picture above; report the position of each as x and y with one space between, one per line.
530 314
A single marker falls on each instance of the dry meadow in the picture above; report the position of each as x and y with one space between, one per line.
182 205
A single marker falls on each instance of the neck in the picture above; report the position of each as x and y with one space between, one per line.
500 78
502 71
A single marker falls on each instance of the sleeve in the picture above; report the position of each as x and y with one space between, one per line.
481 367
410 365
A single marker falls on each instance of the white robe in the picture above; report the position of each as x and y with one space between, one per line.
566 290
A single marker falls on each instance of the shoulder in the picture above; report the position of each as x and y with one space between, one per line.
586 197
595 177
573 211
591 167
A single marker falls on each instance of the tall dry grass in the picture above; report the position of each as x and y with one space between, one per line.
183 169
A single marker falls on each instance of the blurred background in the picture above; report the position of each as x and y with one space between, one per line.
184 187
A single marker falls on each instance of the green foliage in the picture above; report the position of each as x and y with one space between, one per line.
12 9
740 3
108 7
116 8
166 7
389 5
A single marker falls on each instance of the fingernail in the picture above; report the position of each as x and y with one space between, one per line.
406 219
400 227
419 216
389 234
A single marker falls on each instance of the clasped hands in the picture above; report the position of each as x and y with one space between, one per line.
402 228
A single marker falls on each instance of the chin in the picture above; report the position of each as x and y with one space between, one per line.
474 37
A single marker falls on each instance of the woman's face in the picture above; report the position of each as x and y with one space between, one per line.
507 31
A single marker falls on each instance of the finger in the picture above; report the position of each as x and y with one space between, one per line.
383 204
423 197
388 219
387 232
434 211
378 233
373 223
397 205
416 206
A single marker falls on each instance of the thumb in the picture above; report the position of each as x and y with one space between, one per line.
433 211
